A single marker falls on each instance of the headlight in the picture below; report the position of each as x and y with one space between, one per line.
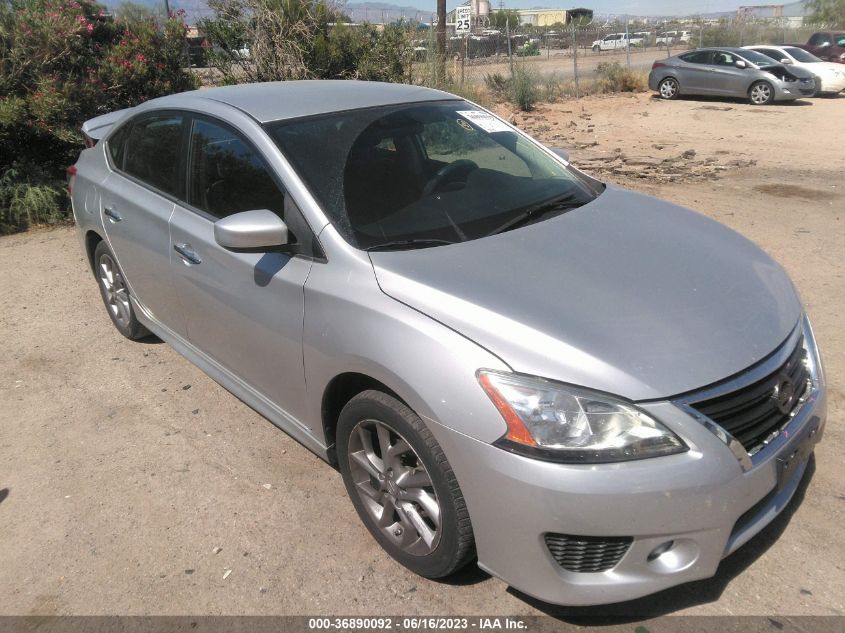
554 422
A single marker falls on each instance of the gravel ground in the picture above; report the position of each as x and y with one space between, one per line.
130 483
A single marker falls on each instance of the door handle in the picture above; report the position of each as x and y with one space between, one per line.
187 254
112 213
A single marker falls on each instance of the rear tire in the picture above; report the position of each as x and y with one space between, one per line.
761 93
669 88
115 294
402 485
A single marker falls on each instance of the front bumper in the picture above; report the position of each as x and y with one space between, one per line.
702 500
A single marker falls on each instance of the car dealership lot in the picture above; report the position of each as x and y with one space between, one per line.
126 468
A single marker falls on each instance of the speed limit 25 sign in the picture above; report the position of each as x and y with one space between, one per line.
462 19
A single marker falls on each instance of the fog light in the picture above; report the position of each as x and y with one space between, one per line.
660 550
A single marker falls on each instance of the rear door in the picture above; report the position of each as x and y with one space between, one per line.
136 203
243 309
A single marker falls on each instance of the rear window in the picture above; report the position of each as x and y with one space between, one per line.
153 150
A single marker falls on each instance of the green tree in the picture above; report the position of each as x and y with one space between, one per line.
504 18
828 12
62 62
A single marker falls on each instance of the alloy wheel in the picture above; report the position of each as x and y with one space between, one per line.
760 93
395 487
114 290
668 88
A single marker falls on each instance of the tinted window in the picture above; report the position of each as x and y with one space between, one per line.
819 38
435 172
117 145
768 52
698 57
723 58
153 150
227 175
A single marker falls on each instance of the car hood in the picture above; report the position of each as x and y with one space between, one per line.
628 294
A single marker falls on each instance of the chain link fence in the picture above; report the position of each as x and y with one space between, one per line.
569 61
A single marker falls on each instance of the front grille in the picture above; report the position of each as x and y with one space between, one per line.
587 553
753 414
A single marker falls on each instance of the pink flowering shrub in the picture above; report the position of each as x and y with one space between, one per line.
65 61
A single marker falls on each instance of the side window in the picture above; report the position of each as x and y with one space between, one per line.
699 57
227 175
768 52
117 145
724 59
153 151
819 39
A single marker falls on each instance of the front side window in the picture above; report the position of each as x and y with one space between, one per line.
769 52
227 175
757 58
698 57
820 39
435 172
153 151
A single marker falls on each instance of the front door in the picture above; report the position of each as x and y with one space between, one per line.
243 309
730 80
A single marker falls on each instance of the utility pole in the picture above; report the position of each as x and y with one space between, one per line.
441 41
575 59
167 8
627 44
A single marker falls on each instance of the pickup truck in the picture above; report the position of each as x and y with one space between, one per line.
826 45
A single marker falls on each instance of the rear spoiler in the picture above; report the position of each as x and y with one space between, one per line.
95 129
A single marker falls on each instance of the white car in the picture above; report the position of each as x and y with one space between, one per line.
615 42
667 38
830 77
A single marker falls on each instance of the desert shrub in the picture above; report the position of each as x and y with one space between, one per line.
613 77
300 39
62 62
498 86
524 91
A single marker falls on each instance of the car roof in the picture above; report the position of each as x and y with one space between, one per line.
277 100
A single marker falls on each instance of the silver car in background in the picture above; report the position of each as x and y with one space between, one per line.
594 393
730 72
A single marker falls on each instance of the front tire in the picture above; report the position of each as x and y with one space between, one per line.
115 294
402 485
596 49
669 88
761 93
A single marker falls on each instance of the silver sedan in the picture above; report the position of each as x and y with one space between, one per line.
593 393
730 72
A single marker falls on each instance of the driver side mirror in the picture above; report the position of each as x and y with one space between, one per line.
785 60
251 229
560 152
740 64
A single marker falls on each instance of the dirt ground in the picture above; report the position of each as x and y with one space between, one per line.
123 468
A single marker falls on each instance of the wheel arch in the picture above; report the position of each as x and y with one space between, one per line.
92 238
338 392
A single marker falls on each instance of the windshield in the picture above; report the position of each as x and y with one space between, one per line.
758 58
800 55
425 174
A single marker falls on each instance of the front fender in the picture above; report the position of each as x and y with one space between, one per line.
352 326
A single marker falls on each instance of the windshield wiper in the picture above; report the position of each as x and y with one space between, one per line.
566 201
417 242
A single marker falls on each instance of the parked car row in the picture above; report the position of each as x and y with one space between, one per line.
762 74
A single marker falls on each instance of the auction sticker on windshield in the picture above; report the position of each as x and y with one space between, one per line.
484 120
